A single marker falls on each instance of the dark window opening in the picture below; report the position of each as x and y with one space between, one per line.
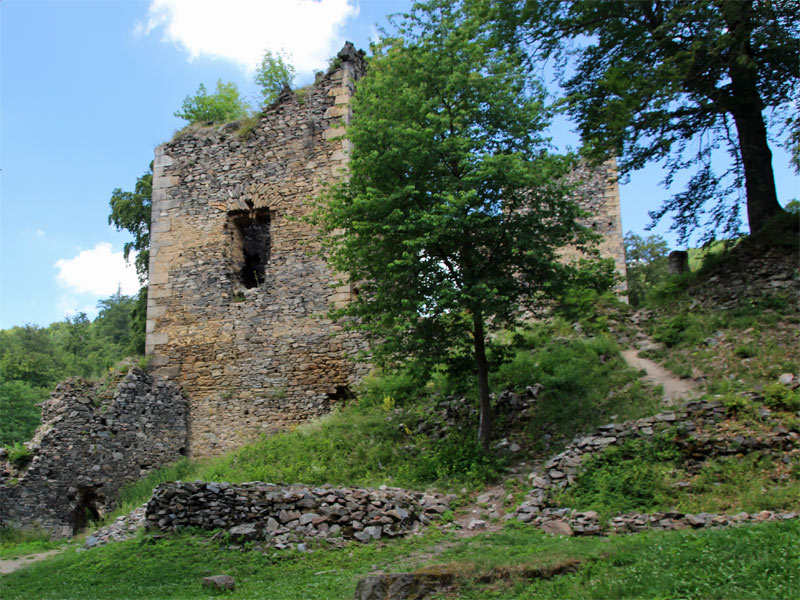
86 509
341 393
251 238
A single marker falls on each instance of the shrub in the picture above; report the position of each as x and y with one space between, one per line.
778 396
19 455
222 106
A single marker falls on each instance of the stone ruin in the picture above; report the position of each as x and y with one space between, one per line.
237 299
94 438
237 295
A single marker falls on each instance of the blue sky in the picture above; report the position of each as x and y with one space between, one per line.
87 91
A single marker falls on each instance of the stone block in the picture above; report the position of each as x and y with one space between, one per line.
333 133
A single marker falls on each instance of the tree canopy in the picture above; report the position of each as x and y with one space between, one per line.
674 81
34 359
274 73
646 264
220 107
131 211
454 213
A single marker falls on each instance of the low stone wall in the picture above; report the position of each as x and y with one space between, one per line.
698 445
286 515
93 440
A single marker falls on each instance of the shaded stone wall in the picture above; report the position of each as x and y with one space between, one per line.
243 333
236 291
93 440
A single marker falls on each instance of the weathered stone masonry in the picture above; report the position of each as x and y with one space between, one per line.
236 291
94 438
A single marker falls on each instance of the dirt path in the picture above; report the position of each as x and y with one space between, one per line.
675 389
12 564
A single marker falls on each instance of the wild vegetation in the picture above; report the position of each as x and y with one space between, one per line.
34 359
414 423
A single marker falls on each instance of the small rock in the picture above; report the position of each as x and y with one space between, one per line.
786 378
556 527
476 524
219 582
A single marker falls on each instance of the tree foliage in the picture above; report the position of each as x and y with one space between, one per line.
454 212
674 81
646 263
220 107
131 211
273 74
34 359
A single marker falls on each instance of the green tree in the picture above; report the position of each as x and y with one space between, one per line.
220 107
19 415
131 211
273 74
454 212
674 81
646 263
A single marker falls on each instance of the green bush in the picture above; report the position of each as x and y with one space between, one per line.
19 455
220 107
684 328
630 476
781 397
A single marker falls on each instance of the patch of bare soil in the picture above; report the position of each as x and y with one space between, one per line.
675 389
13 564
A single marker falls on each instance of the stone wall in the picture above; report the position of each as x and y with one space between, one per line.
690 424
94 438
285 515
241 328
236 292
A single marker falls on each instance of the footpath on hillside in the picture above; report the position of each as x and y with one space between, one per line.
12 564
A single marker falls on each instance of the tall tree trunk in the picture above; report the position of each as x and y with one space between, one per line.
759 180
746 106
485 420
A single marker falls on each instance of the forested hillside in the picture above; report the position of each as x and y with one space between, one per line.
34 359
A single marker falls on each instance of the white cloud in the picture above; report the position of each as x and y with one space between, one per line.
240 30
39 233
99 271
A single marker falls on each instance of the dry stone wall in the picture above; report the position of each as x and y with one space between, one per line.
91 442
283 516
237 292
562 470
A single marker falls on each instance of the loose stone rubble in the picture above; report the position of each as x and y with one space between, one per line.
123 528
697 443
286 516
94 438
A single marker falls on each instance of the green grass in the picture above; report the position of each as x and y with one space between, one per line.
758 561
641 476
755 562
15 543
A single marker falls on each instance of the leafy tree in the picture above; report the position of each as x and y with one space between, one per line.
131 211
673 80
220 107
19 415
646 263
273 74
454 212
34 359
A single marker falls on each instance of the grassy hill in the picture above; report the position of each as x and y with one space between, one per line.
736 341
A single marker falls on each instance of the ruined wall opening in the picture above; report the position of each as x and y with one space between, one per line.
86 509
250 232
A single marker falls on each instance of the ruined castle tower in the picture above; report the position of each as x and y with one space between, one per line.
236 291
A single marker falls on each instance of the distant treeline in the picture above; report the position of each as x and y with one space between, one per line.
34 359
